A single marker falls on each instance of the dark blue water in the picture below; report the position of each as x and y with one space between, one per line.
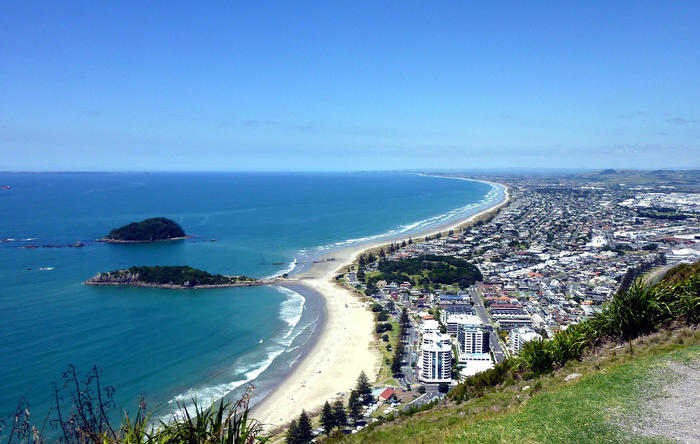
172 345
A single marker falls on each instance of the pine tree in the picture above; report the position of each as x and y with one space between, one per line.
361 260
361 275
339 416
327 418
293 433
304 434
354 406
403 321
398 357
364 390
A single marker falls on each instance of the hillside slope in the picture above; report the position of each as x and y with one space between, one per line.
616 399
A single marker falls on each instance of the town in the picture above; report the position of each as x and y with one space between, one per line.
559 249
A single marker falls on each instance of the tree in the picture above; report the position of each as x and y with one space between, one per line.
339 417
364 390
327 420
361 260
443 387
396 364
293 433
361 274
382 316
404 317
304 434
354 406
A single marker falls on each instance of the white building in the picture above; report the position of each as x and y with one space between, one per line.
473 339
436 358
455 321
430 326
519 336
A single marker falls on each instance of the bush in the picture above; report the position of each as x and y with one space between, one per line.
381 328
537 357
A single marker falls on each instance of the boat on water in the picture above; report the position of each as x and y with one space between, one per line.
6 187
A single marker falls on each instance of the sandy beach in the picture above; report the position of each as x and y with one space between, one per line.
346 344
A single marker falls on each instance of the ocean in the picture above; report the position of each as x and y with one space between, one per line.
175 345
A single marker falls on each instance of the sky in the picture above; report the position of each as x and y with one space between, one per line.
327 86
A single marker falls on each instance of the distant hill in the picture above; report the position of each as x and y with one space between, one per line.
149 230
642 177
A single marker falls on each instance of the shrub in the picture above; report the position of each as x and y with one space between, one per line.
536 356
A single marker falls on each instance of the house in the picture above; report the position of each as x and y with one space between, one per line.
387 395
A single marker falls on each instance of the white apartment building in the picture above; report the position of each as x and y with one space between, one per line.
430 326
454 322
436 358
472 341
519 336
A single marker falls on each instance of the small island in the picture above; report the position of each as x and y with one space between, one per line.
150 230
176 277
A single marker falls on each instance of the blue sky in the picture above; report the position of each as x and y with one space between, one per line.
348 85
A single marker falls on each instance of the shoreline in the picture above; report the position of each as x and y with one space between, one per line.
347 335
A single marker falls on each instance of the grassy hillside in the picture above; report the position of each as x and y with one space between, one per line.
603 405
612 351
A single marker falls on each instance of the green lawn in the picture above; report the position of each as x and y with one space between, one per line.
385 377
591 409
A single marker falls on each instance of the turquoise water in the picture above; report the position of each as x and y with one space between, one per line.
172 345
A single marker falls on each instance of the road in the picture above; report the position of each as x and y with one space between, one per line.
494 343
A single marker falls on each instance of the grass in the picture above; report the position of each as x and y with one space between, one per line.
591 409
385 376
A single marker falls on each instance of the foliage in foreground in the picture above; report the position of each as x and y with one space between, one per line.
81 414
640 310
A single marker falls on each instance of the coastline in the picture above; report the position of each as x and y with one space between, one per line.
346 343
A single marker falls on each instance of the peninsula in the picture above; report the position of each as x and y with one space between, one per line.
173 277
148 230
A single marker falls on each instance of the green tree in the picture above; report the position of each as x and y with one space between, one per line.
354 406
404 317
293 433
396 364
364 390
327 419
304 434
339 416
361 274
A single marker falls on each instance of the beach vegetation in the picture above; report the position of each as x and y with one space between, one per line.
148 230
327 420
302 433
381 328
354 406
340 418
364 389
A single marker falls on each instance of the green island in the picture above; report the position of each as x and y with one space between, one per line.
170 277
149 230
